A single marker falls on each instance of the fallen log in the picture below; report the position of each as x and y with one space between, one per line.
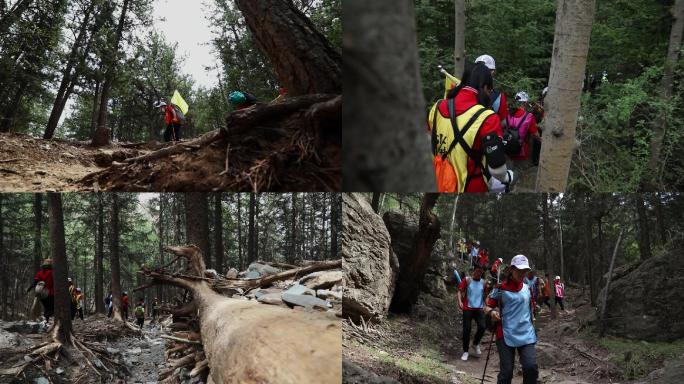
248 342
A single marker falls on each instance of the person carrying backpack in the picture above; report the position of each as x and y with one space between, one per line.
521 126
172 119
545 291
155 309
109 304
471 295
474 252
498 102
47 299
483 258
241 100
140 313
510 306
560 292
467 147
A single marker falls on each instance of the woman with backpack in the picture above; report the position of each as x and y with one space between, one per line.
471 295
522 125
172 120
510 306
466 136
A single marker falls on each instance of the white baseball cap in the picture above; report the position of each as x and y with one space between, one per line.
520 262
500 259
557 277
522 97
487 60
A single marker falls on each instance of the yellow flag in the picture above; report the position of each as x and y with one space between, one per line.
449 83
178 100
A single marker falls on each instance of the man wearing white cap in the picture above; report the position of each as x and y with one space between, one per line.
511 306
498 98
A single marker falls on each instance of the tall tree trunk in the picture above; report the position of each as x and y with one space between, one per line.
197 222
99 257
574 20
60 269
102 134
412 269
660 218
37 230
4 260
547 252
385 147
160 291
610 275
376 201
239 223
459 37
653 174
588 248
644 235
257 198
218 233
302 57
336 207
292 254
114 260
250 236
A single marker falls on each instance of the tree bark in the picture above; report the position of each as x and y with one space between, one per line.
114 260
251 254
291 257
385 145
218 233
644 230
4 260
99 257
574 20
60 269
610 275
302 57
37 230
411 270
239 223
459 37
666 85
335 210
197 222
547 253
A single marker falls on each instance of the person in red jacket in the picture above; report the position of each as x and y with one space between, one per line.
172 132
45 275
498 102
483 258
523 119
124 305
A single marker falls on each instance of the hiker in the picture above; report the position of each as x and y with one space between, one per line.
470 295
522 126
545 291
172 120
155 309
109 304
560 292
465 134
498 102
124 305
241 100
474 252
140 313
462 249
48 300
72 297
510 306
483 259
494 270
78 296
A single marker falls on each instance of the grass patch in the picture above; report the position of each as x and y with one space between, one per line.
638 358
424 363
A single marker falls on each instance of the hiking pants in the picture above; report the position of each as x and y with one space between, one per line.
172 132
528 360
48 307
140 321
545 300
468 316
559 301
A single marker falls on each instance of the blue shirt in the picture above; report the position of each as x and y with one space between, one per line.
516 316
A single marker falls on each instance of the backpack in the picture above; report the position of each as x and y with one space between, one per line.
179 114
516 133
139 311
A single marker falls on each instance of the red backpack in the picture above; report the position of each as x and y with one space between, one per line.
517 130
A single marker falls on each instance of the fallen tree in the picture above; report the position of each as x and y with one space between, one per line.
243 341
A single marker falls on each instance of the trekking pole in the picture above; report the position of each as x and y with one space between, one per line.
491 339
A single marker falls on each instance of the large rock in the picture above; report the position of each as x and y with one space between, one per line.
353 374
642 303
322 279
263 269
367 259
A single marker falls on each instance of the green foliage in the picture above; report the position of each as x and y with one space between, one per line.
636 358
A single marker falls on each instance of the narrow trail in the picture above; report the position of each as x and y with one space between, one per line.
143 356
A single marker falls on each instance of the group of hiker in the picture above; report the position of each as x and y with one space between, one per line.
475 254
175 110
44 290
507 306
475 139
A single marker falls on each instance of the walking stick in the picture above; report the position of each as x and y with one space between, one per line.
491 339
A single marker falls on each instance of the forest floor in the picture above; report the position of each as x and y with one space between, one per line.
140 355
428 350
28 164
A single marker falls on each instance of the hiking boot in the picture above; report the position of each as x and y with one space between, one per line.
477 352
464 357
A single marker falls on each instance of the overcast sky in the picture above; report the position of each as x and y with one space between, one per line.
185 23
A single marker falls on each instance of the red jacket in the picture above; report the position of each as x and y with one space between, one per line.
503 107
465 100
170 116
484 257
124 300
46 276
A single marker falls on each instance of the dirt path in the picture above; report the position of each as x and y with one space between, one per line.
28 164
143 356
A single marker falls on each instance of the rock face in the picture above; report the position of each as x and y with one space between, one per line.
367 259
433 297
353 374
322 279
413 250
642 303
